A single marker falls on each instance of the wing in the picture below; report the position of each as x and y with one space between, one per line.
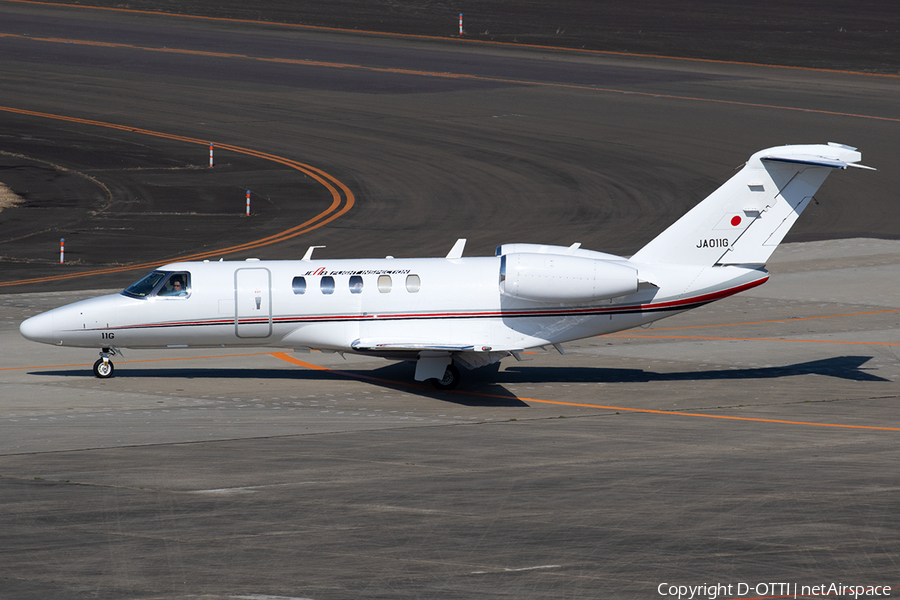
433 358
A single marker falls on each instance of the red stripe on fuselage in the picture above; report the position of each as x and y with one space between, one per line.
680 304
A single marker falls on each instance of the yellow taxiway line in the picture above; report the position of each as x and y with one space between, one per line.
342 200
441 38
288 358
444 75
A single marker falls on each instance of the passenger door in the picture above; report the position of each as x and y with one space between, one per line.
253 303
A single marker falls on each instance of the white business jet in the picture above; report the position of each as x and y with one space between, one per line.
448 312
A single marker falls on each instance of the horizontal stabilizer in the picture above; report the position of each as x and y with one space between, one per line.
808 160
833 161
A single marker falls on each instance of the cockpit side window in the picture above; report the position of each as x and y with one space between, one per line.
145 285
178 285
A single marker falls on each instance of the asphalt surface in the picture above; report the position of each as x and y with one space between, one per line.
493 144
831 34
768 451
768 455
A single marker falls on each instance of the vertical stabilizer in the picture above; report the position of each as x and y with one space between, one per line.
742 222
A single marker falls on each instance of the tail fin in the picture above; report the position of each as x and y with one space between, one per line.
743 221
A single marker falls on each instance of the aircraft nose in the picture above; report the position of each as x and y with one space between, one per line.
39 329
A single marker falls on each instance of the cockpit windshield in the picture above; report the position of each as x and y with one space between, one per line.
145 286
161 283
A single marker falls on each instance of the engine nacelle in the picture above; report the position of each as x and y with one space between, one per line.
573 250
558 278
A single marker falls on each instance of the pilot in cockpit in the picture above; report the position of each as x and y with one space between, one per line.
174 287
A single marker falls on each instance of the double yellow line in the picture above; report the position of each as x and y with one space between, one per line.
342 199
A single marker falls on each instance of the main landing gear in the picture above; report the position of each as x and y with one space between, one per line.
104 367
450 379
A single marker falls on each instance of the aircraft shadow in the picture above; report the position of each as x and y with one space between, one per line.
397 377
484 387
842 367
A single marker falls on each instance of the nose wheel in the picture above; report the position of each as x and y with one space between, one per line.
104 367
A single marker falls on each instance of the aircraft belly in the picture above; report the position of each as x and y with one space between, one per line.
434 331
527 332
331 335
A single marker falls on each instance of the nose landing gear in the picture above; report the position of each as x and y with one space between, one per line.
104 367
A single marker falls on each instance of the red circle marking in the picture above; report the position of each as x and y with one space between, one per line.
735 220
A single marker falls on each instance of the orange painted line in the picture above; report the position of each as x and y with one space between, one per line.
742 339
686 414
454 76
792 319
285 357
454 38
134 362
288 358
342 200
288 61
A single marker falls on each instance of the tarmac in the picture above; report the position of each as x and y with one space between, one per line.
751 441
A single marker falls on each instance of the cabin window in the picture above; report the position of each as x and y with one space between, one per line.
178 285
413 283
384 283
356 284
299 285
327 284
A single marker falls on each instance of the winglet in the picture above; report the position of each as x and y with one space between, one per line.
457 249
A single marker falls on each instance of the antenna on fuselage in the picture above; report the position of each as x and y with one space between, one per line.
457 250
309 251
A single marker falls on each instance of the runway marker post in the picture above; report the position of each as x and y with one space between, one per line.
248 203
210 155
62 250
460 24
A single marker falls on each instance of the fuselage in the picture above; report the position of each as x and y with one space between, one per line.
376 305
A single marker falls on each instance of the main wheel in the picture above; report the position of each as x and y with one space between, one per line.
450 379
102 369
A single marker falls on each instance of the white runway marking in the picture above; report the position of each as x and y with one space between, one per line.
249 489
268 597
519 569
